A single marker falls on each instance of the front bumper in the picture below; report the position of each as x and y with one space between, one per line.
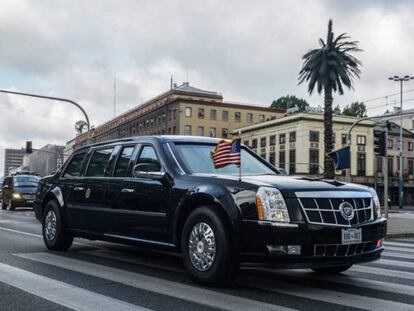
22 202
320 246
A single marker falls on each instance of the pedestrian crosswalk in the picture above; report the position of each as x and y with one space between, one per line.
387 284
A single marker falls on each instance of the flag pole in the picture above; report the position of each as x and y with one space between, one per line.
240 172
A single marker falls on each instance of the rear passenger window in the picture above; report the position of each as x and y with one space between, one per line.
74 167
98 162
121 168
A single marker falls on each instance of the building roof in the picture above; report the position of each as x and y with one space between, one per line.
303 116
186 87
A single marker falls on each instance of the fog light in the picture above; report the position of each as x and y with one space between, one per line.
285 249
294 249
379 243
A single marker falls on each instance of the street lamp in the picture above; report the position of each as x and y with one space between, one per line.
401 182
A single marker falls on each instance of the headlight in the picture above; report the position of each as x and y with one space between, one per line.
271 206
377 204
17 196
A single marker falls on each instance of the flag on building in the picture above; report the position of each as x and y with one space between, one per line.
227 152
341 158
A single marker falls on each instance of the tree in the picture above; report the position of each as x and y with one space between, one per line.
356 109
290 101
337 110
329 68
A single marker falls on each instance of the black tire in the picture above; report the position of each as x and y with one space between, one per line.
61 240
3 205
224 267
332 270
11 206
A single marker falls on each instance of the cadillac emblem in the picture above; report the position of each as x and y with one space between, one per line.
347 210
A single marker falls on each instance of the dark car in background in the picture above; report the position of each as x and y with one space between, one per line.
164 192
19 191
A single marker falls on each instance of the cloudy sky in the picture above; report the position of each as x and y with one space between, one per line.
248 50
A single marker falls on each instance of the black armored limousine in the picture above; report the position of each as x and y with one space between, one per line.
164 192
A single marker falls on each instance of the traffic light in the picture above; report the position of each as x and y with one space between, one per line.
379 143
29 148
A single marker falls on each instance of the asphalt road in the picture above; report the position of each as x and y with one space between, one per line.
104 276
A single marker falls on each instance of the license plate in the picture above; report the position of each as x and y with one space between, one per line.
351 236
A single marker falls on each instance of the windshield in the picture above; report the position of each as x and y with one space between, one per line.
25 181
198 160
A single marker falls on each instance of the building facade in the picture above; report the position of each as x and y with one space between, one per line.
183 110
45 160
296 143
13 159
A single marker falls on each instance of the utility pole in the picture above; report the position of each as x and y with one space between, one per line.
401 181
385 161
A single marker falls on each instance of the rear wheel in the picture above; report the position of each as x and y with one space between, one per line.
206 248
54 234
332 270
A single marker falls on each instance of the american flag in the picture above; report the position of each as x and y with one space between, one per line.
226 152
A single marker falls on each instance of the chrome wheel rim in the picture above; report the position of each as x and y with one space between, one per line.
202 246
50 225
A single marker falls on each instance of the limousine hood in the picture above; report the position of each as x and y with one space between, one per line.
28 190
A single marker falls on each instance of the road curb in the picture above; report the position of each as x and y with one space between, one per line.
399 235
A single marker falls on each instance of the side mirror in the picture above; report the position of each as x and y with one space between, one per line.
148 170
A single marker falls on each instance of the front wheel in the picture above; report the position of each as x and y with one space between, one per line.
54 234
206 248
332 270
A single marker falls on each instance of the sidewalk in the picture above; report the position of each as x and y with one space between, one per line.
400 224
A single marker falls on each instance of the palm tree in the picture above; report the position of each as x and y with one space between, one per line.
329 68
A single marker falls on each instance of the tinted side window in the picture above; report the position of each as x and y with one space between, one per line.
148 156
121 169
74 167
98 163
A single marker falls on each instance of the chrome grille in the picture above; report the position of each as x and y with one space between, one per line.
340 250
323 207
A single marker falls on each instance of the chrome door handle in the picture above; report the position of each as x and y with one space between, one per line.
127 190
78 189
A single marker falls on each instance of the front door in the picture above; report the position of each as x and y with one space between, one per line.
144 202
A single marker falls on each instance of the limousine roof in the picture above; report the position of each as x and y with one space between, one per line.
162 139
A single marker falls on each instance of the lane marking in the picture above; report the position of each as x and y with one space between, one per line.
384 272
407 245
190 293
303 274
61 293
399 255
326 295
22 232
398 249
397 263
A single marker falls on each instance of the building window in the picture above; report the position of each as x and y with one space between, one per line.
254 143
292 161
282 159
272 140
361 164
263 142
412 124
361 140
314 136
411 167
390 166
224 133
200 131
225 115
272 158
379 164
263 155
389 143
292 137
200 113
174 130
246 143
213 114
334 138
237 116
410 146
282 139
213 132
313 161
343 139
261 118
250 118
187 130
